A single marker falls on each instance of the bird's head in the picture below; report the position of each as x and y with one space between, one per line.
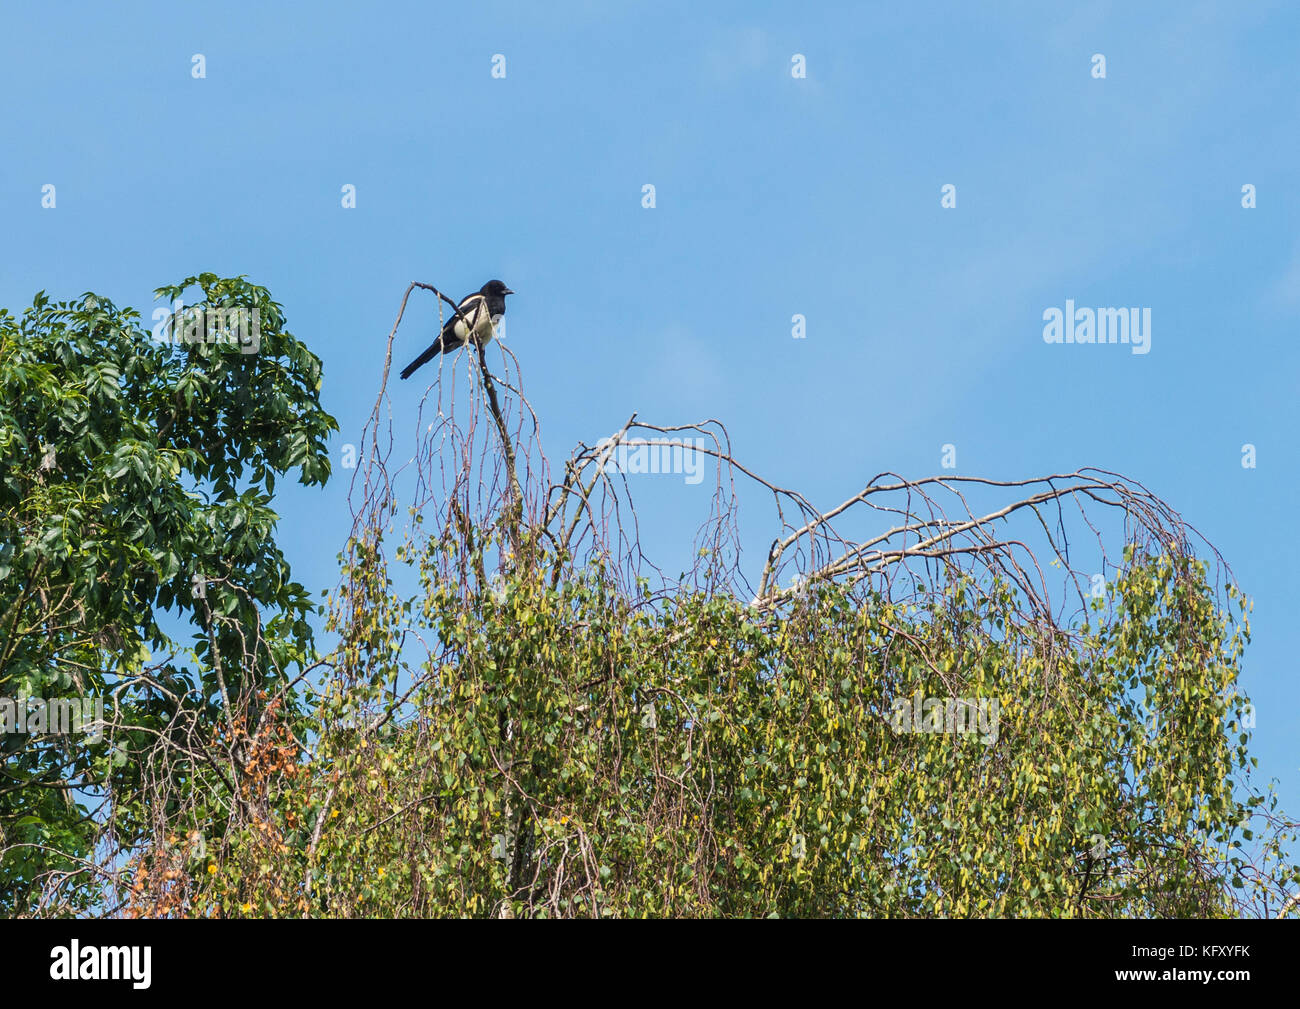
495 289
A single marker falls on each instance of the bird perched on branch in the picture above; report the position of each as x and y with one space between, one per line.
481 310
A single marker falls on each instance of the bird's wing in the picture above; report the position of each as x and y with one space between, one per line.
454 330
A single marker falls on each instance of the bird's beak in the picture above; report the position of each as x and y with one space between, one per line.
508 291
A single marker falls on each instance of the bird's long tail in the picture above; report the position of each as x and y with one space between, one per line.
433 351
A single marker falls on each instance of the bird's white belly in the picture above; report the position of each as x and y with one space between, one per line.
483 330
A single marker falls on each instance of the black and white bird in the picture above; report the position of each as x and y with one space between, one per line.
483 310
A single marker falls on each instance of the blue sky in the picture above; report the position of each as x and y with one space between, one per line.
775 196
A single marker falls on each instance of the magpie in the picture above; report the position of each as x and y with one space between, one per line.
482 309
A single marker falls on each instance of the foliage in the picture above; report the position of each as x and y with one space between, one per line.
586 753
522 717
541 727
136 478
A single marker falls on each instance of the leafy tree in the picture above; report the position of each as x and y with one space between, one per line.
543 725
942 714
136 480
574 750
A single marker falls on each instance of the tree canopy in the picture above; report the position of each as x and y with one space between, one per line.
920 702
136 480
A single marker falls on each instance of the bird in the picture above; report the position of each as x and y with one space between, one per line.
482 309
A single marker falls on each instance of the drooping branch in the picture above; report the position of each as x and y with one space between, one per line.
1016 532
